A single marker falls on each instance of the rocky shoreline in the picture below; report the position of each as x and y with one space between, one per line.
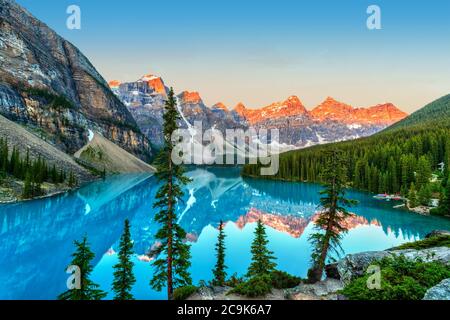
341 273
10 195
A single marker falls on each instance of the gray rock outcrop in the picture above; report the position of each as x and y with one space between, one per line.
439 292
355 265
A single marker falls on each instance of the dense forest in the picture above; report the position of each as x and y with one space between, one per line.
33 172
410 158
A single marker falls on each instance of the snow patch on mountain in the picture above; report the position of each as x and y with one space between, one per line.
90 134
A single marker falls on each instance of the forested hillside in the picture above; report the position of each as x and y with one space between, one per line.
401 158
437 112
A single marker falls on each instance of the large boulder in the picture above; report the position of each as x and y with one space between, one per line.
222 293
439 292
354 265
322 290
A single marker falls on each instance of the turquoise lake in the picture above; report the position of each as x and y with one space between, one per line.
36 237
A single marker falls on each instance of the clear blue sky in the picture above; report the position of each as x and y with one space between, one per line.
258 51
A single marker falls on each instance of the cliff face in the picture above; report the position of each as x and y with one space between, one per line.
47 84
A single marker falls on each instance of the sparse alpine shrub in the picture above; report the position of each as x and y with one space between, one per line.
401 279
257 286
182 293
284 280
234 280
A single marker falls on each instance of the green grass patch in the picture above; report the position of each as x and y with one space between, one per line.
437 241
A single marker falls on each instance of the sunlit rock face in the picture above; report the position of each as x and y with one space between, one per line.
190 97
382 114
114 84
220 106
145 99
330 109
292 106
331 121
155 83
48 84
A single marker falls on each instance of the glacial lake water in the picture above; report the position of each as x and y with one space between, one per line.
36 237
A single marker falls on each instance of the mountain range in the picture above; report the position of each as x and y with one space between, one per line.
49 87
330 121
398 159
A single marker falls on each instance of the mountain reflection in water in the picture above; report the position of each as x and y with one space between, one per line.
36 237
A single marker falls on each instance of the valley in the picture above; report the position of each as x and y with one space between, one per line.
89 177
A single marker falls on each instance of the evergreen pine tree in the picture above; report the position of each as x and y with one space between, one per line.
17 164
61 177
4 163
423 174
412 196
27 187
446 180
88 289
444 204
219 272
54 174
424 195
36 187
27 159
330 221
72 180
123 271
173 262
262 258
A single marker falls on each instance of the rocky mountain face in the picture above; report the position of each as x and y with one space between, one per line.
330 121
382 114
48 85
145 99
292 106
